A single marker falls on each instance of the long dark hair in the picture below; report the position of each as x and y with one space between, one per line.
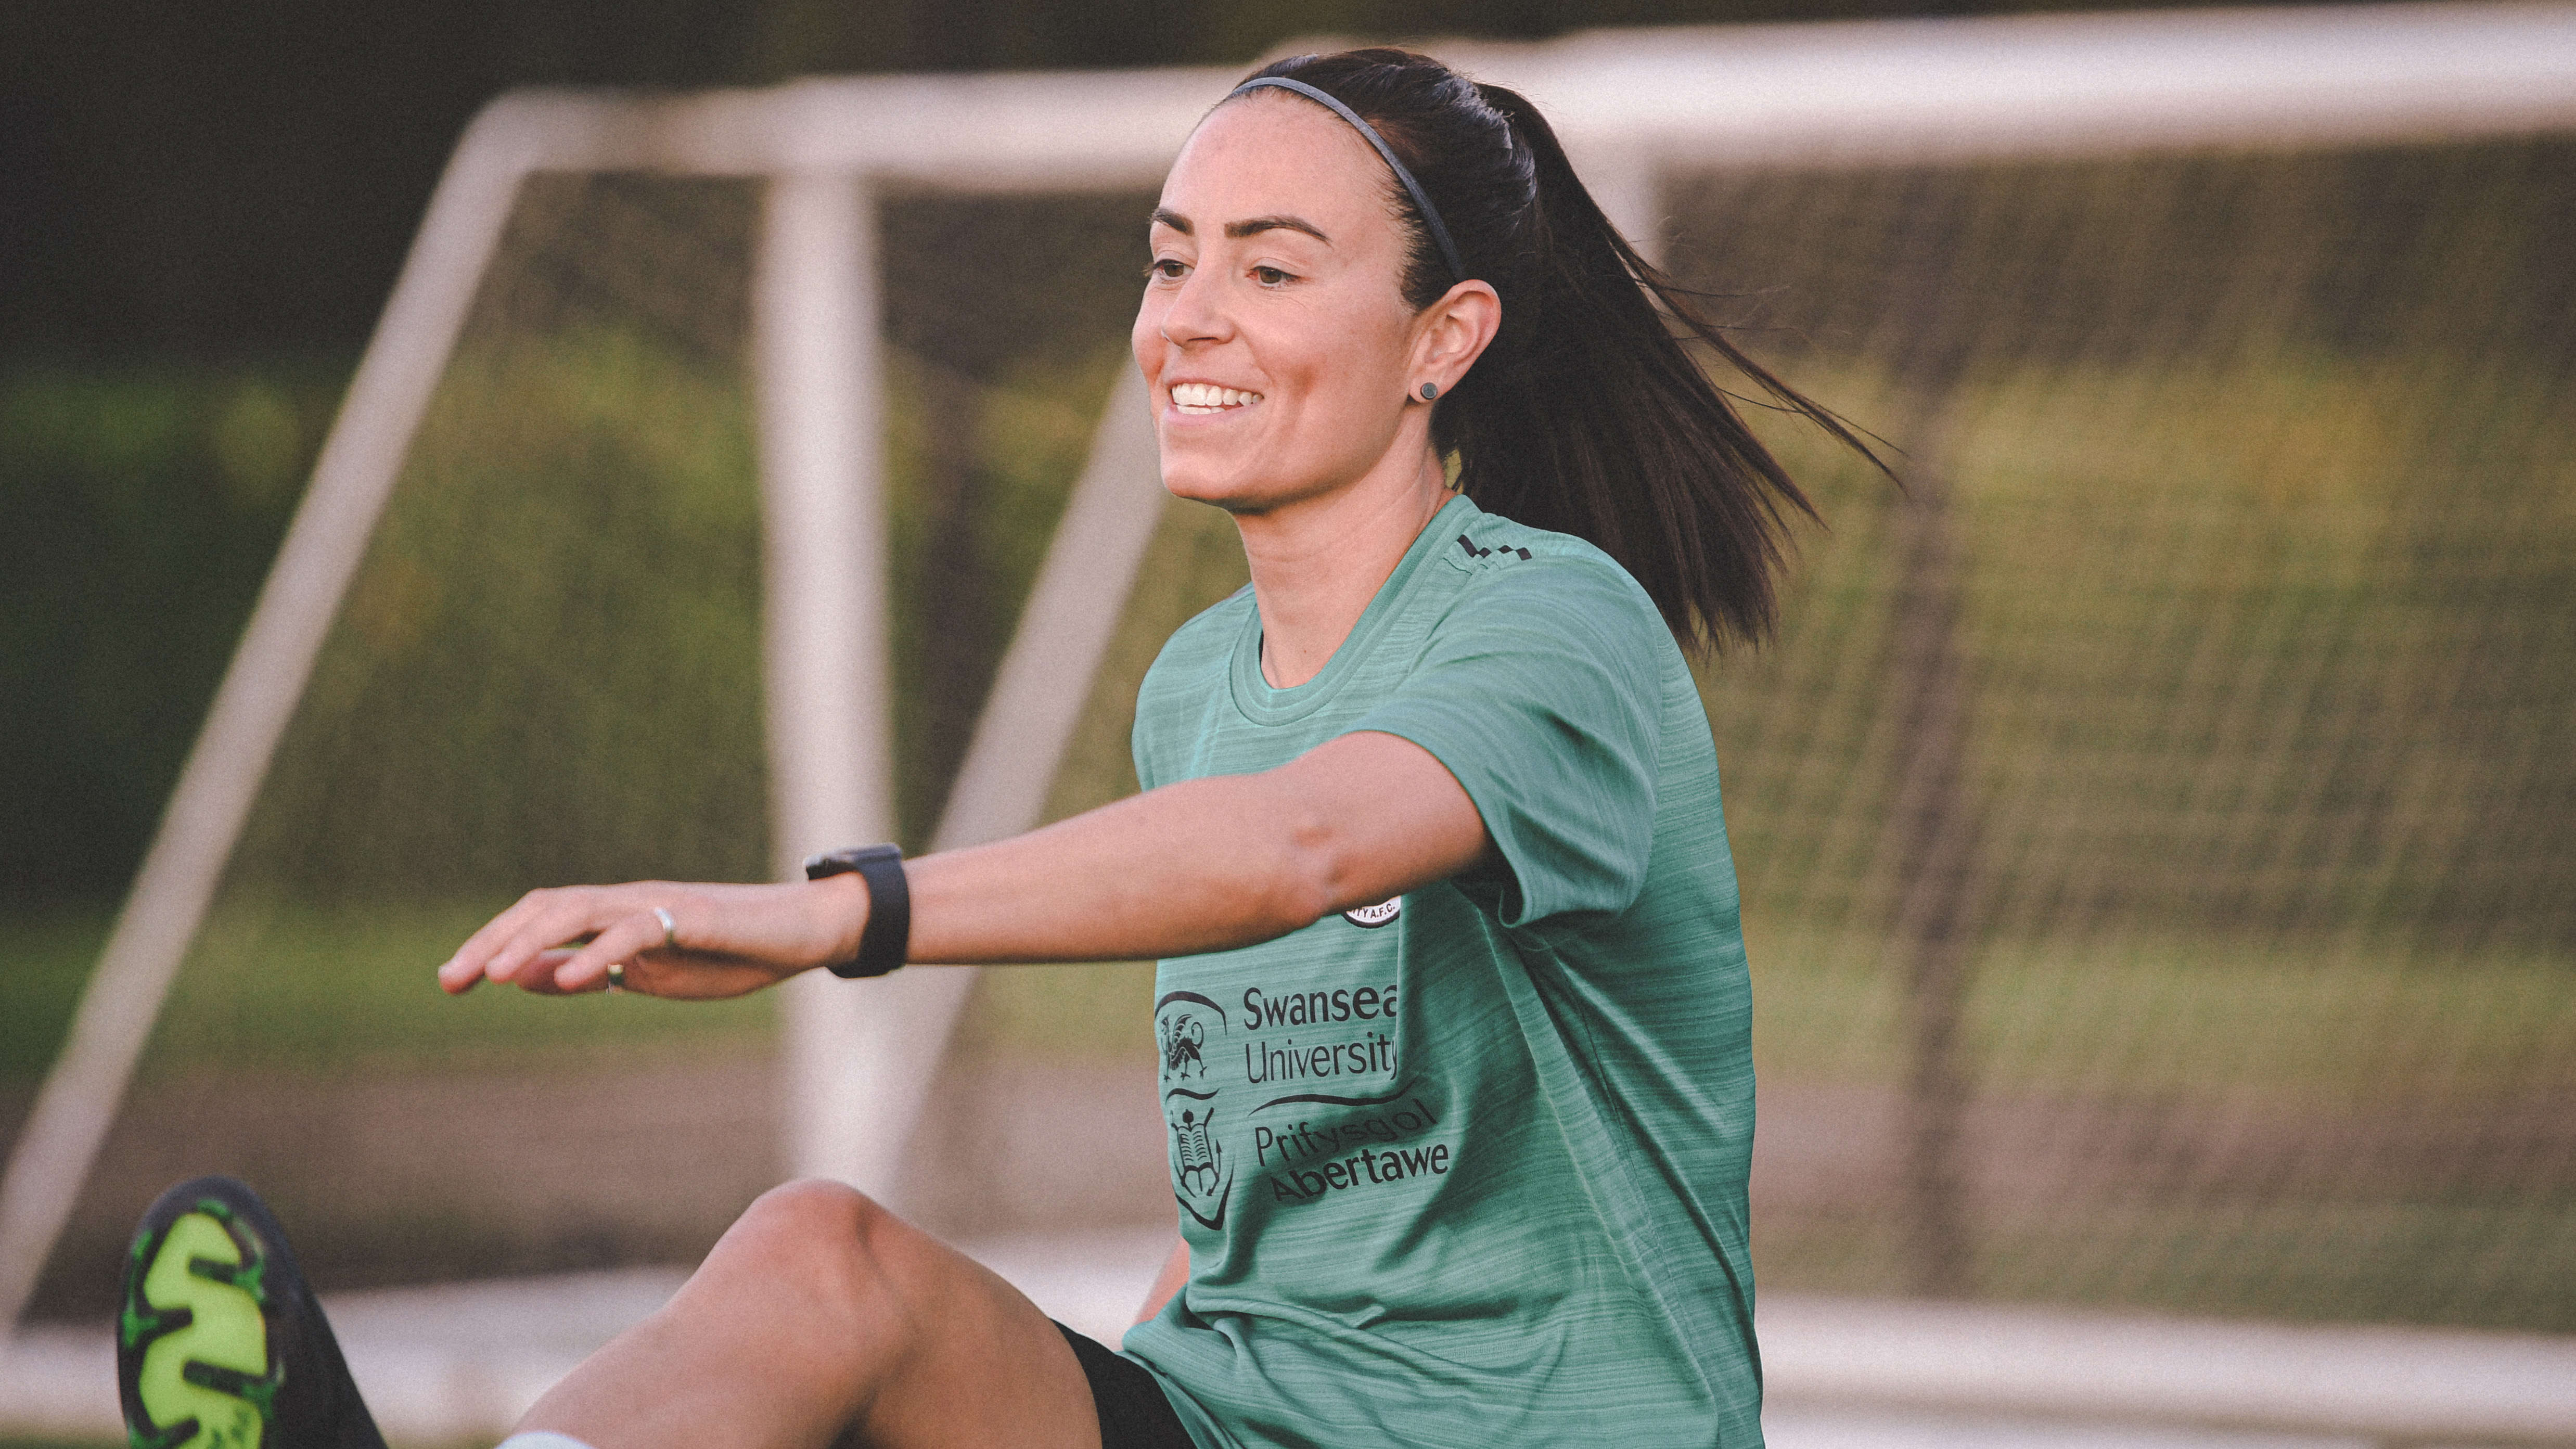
1585 415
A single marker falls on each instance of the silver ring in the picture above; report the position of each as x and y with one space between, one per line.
616 976
670 930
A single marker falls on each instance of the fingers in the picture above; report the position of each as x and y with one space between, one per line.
526 943
586 969
538 977
486 954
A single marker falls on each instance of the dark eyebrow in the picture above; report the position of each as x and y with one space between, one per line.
1241 229
1238 230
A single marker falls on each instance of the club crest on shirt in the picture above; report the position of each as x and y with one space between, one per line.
1372 917
1202 1177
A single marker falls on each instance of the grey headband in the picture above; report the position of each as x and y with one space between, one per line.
1413 188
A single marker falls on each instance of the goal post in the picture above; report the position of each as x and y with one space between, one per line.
859 1058
1633 107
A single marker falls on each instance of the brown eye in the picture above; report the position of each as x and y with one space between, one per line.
1269 276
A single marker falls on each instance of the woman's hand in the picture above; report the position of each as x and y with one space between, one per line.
725 940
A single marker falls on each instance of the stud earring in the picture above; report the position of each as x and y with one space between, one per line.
1430 390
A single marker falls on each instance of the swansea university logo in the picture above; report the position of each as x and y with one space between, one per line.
1185 1026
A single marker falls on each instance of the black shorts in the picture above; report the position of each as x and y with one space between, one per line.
1133 1412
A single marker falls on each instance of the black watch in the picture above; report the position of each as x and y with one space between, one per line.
888 937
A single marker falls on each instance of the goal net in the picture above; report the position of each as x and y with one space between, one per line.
2153 818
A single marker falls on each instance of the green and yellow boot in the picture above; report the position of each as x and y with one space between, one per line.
219 1343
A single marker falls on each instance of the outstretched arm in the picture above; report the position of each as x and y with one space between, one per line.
1198 866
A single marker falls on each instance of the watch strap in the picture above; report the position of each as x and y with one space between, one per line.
887 939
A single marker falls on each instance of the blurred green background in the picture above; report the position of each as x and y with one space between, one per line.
201 211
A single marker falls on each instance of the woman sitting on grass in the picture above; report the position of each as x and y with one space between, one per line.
1452 1009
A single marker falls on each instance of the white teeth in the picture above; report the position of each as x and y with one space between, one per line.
1207 397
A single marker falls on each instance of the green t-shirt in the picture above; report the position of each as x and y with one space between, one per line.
1468 1168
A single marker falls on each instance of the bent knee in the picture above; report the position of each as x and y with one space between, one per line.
816 1234
807 1208
833 1242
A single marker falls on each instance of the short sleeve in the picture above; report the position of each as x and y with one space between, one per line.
1540 693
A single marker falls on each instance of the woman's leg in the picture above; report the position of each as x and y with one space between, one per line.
819 1312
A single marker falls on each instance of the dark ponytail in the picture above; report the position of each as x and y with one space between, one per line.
1586 415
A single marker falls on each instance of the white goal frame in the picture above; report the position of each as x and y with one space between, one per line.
1628 104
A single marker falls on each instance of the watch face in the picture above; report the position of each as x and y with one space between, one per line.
843 861
830 862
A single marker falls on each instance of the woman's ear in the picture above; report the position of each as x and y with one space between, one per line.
1450 334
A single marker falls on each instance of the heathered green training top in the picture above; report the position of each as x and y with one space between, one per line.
1468 1168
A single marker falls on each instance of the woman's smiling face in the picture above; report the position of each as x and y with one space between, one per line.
1277 347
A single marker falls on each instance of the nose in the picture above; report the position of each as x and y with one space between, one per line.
1196 312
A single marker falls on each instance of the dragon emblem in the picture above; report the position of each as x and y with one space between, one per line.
1183 1038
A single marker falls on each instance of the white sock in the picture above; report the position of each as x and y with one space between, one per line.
541 1439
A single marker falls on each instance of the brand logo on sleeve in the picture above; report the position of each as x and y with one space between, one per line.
1372 917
